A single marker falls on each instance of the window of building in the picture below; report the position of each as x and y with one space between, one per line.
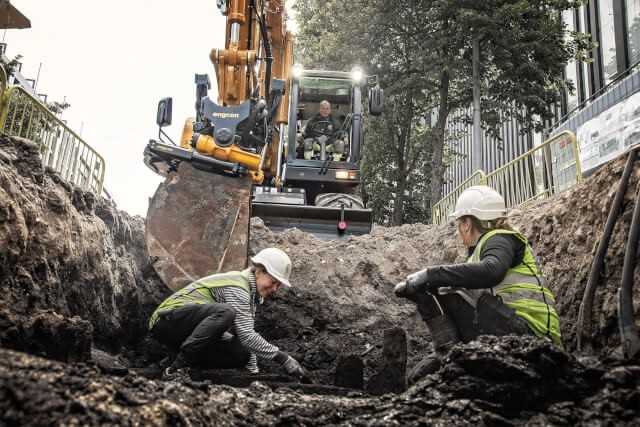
633 29
607 40
571 72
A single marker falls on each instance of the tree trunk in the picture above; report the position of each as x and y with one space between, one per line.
437 168
401 181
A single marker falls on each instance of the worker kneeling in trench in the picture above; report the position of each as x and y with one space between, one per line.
498 291
211 321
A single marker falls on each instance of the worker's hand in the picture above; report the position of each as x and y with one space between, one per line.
293 368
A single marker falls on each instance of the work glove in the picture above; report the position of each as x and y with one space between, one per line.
418 278
293 368
413 284
290 364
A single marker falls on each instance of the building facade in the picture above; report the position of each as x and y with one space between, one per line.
610 79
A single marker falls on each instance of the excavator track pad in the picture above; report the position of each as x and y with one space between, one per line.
198 224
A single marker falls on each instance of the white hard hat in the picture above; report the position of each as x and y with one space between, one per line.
276 262
480 201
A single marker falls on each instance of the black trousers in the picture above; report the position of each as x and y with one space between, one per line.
195 330
490 317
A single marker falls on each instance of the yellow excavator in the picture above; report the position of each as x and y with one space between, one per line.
245 155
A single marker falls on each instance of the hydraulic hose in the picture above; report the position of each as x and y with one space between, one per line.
584 332
264 35
629 336
267 51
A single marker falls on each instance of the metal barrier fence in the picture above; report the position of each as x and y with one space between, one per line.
23 115
547 169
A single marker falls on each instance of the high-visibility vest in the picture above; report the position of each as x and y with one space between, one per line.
201 291
523 289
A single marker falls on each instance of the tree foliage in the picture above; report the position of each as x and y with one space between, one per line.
422 50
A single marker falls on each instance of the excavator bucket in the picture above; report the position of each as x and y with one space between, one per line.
198 224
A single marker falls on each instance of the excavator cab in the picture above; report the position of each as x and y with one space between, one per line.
320 172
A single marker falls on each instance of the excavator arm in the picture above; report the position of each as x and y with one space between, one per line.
198 219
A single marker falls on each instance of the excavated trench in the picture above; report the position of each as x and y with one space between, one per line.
77 289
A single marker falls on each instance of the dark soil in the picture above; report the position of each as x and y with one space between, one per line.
507 381
78 288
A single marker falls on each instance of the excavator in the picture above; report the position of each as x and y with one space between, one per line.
243 154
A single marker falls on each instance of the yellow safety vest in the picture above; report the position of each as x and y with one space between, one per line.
201 291
523 290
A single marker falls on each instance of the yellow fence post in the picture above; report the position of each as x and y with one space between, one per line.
4 82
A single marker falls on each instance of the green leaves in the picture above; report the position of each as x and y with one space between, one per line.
421 51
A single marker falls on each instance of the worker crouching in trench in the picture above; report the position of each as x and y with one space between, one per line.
210 322
498 291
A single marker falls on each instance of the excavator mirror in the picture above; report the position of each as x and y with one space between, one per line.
163 117
376 100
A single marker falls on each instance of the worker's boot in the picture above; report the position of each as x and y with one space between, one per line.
444 335
430 364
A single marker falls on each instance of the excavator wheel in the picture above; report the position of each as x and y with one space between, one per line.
198 224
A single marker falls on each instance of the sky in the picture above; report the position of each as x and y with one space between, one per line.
113 61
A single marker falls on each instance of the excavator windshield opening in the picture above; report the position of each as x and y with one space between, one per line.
319 137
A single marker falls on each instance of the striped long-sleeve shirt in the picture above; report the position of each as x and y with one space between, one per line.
245 307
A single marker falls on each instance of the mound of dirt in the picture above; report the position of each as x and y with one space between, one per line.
565 232
73 269
342 297
349 282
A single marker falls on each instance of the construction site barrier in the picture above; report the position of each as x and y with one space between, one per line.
547 169
23 115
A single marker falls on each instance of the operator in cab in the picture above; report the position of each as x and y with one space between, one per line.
322 123
210 322
320 129
500 290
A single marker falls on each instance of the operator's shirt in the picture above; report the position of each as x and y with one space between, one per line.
245 305
319 125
